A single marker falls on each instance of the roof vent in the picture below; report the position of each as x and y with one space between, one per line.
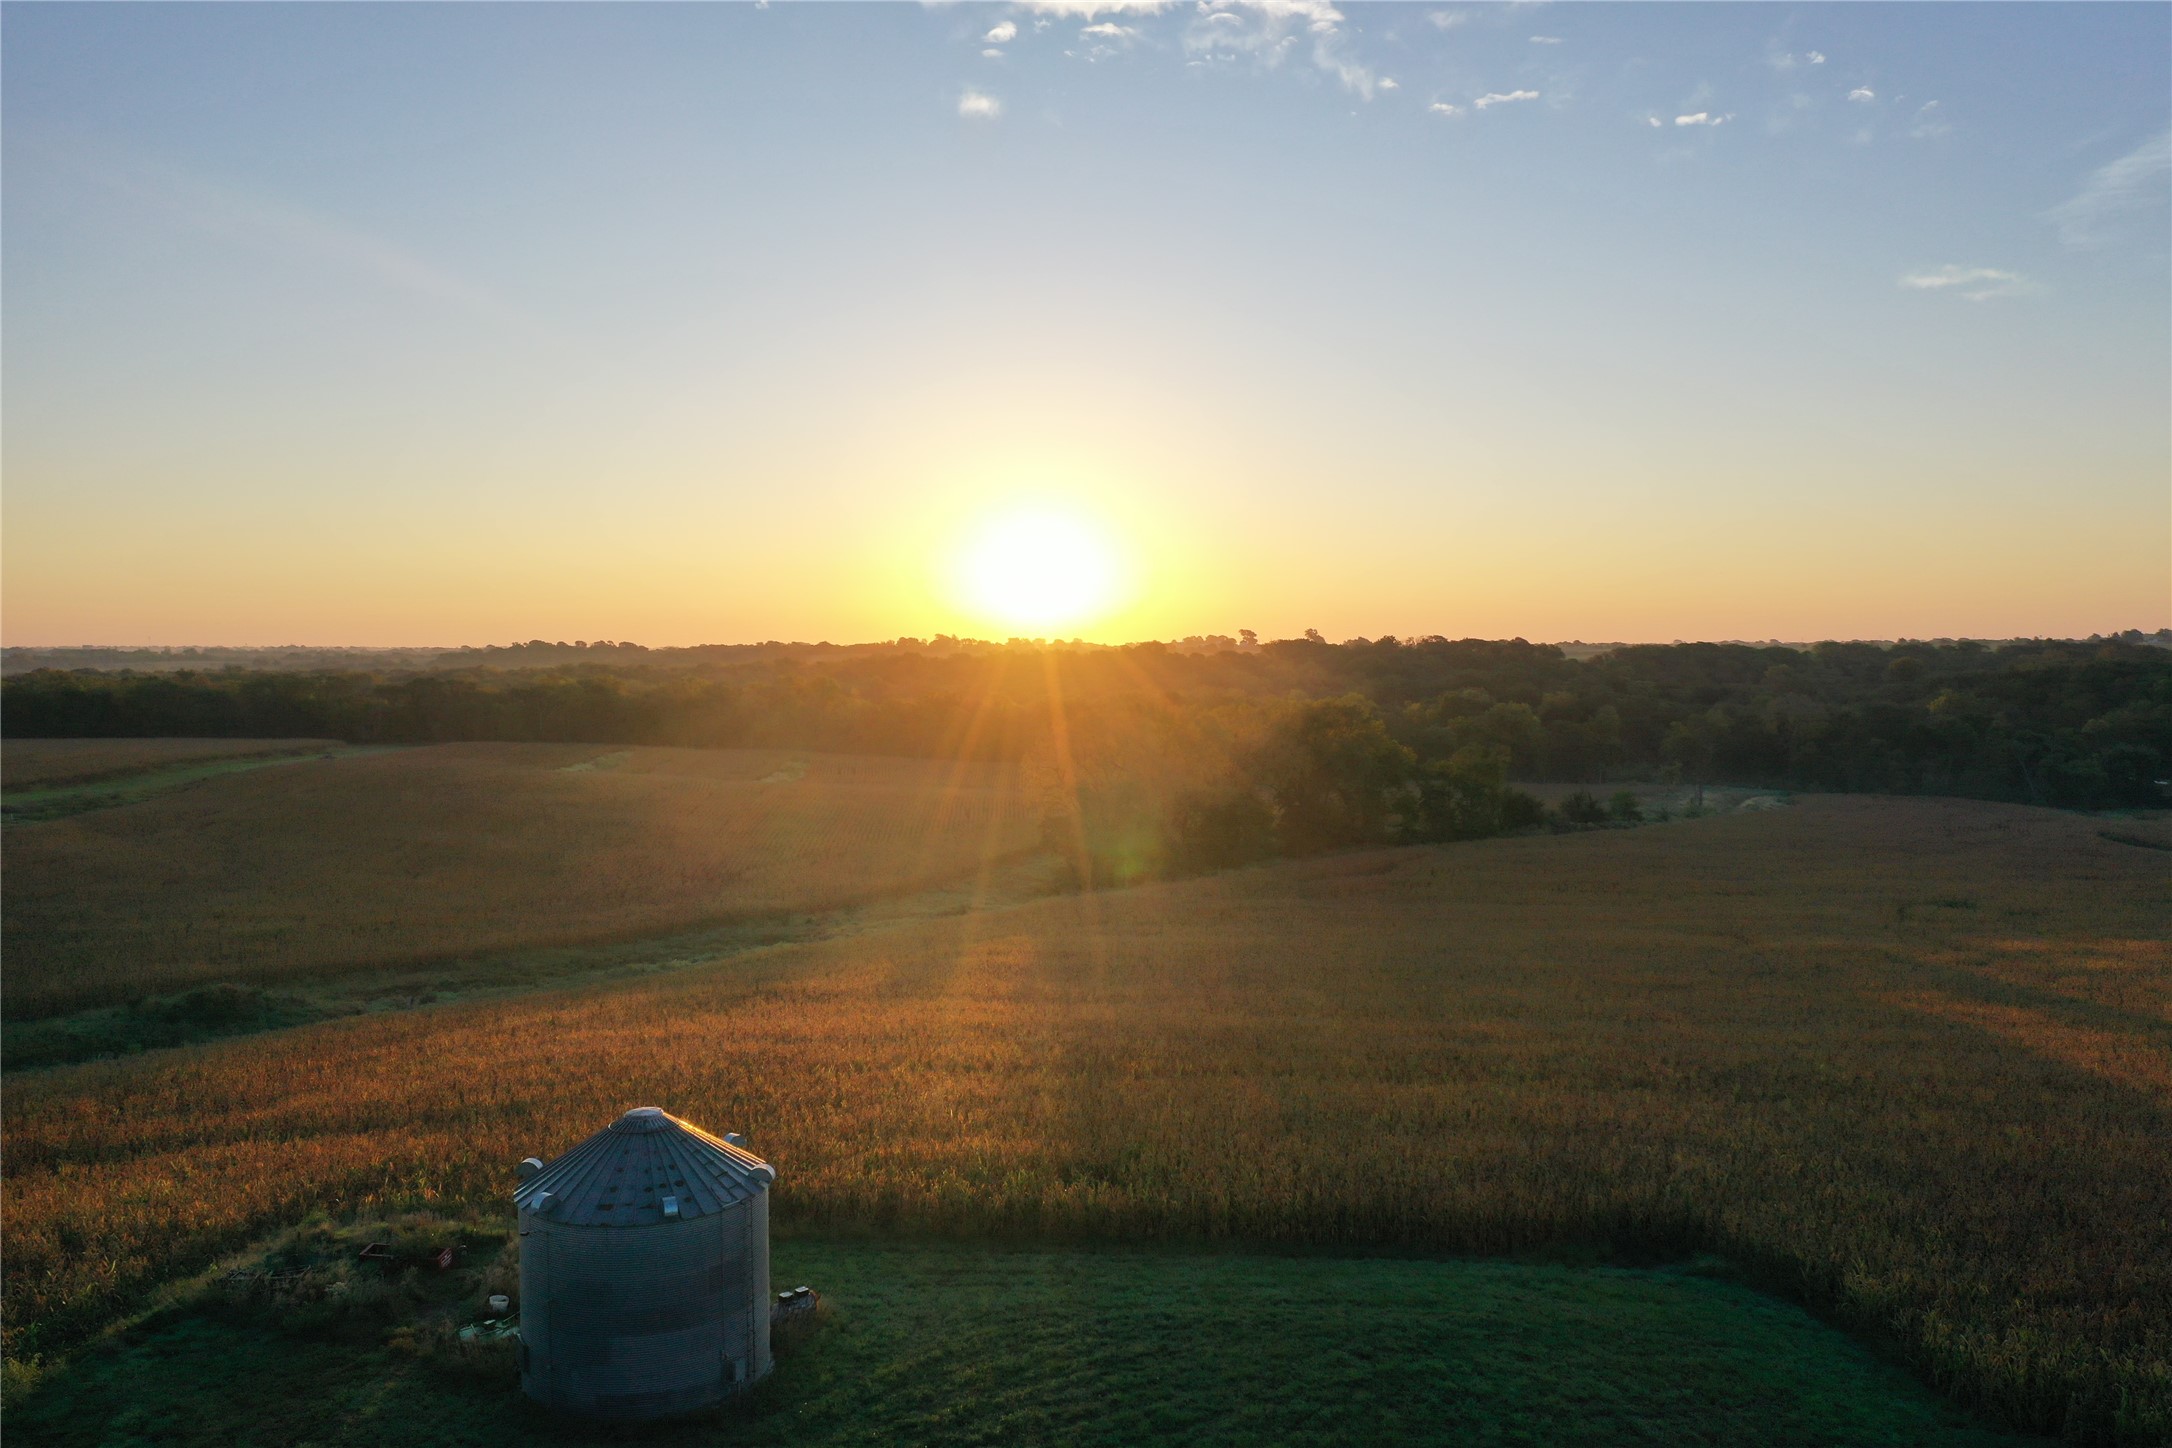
529 1166
733 1138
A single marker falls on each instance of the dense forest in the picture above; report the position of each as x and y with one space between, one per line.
1186 757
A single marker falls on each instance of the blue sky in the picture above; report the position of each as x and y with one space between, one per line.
678 323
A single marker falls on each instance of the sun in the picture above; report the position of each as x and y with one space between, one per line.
1038 568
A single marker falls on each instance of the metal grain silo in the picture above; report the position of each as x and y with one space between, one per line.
644 1270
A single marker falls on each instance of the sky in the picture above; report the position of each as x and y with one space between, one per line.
418 324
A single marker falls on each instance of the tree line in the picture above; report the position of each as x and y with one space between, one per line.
1170 758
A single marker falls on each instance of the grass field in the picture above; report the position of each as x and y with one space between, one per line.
42 804
1904 1060
212 1012
44 763
934 1344
379 862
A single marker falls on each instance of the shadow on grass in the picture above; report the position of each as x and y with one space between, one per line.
957 1344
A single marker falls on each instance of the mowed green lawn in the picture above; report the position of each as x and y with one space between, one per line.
953 1344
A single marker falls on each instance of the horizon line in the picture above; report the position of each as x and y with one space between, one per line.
1204 642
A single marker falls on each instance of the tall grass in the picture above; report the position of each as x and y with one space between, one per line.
333 866
1893 1056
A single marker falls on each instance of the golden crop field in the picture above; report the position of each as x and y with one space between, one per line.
1910 1060
425 854
38 763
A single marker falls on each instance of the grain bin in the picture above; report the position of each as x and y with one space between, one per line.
644 1270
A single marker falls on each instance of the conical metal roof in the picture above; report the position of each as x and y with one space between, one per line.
644 1168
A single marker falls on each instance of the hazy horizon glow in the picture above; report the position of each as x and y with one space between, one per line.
677 324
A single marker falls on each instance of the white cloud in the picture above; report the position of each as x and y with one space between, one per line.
1354 75
1502 98
1442 108
1318 15
1270 30
1976 283
1929 123
1654 122
1545 40
1002 34
976 106
1780 59
1863 93
1704 118
992 54
1449 19
1389 83
1815 57
1108 30
2096 215
1090 9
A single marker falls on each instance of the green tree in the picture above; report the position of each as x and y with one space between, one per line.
1692 744
1335 775
1582 808
1221 829
1466 797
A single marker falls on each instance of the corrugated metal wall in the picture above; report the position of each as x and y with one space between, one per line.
760 1295
643 1322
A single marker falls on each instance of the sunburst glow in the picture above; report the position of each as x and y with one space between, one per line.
1039 568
